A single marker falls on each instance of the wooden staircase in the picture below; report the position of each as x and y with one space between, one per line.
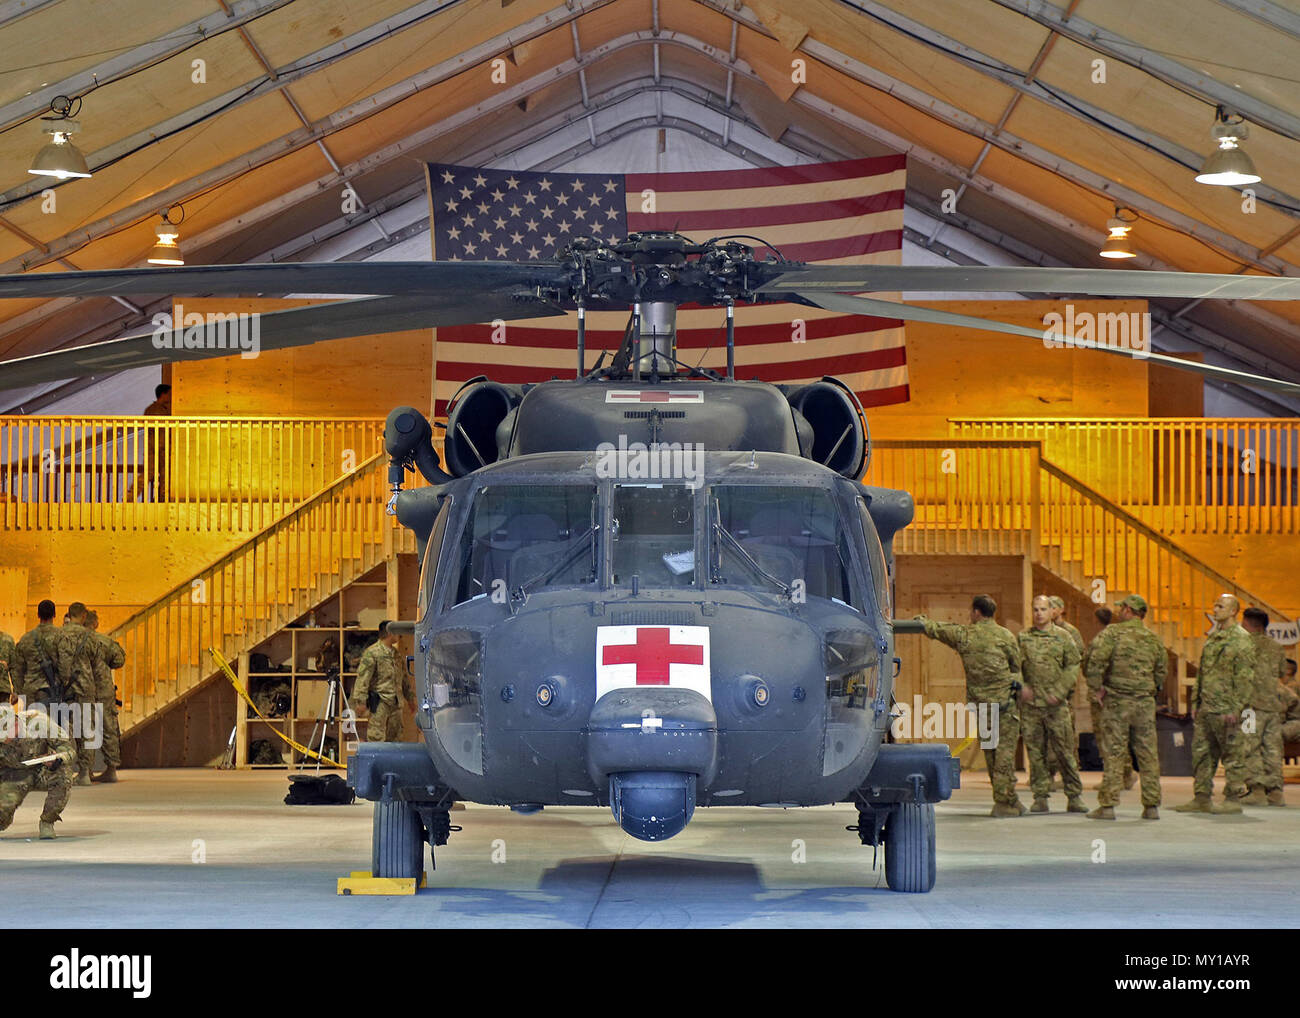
316 549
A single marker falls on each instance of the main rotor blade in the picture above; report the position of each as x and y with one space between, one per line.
996 278
396 278
275 330
890 309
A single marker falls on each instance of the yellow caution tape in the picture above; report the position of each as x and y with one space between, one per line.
234 681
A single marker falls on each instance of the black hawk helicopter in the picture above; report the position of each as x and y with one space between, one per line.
650 587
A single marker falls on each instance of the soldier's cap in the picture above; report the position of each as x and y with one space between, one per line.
1056 602
1134 602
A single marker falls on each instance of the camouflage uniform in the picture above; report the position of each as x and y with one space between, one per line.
1225 680
1050 660
25 665
1094 709
991 660
109 655
1053 763
379 673
7 685
23 736
1263 747
1130 663
1290 701
77 653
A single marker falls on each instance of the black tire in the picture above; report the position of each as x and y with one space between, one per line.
909 848
397 841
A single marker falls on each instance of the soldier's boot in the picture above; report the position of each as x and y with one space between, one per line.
1039 806
1256 797
84 778
1199 804
1008 809
1229 806
47 830
1150 813
1076 805
108 777
1276 798
1102 813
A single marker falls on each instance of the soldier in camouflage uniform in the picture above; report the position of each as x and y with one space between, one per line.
77 653
1127 666
109 655
34 665
1105 616
378 679
1225 680
1263 744
27 735
1059 620
1049 661
991 659
1291 679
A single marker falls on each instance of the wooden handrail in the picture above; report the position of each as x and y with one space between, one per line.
1158 538
283 522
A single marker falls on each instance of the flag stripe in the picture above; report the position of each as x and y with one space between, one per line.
806 173
744 217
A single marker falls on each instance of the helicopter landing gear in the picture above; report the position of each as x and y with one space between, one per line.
909 847
397 841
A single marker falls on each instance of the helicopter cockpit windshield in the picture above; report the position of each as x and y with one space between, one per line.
784 536
522 537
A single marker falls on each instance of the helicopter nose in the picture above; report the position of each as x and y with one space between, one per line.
653 746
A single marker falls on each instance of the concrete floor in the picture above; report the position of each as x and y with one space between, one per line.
195 848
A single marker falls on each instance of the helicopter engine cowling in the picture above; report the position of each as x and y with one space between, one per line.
472 425
838 426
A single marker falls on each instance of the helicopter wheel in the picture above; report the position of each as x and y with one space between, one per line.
397 841
909 848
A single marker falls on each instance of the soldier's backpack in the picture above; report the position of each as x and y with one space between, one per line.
319 790
263 751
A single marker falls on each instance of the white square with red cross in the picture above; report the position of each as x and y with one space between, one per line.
652 656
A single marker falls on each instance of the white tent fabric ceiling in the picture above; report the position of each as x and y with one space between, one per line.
1003 99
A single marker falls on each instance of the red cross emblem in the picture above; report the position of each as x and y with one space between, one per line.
652 656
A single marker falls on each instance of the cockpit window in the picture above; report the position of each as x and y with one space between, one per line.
525 537
652 535
876 562
432 551
769 535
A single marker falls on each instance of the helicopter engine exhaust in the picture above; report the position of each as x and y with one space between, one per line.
839 428
472 439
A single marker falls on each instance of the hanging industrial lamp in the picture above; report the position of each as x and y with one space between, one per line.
60 158
168 249
1229 166
1119 226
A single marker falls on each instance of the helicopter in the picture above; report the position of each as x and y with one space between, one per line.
651 587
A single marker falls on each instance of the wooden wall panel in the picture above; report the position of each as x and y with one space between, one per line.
362 377
13 599
965 373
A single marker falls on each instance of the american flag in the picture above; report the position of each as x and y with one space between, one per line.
847 212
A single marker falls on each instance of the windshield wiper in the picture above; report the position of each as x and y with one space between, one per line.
520 594
739 548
